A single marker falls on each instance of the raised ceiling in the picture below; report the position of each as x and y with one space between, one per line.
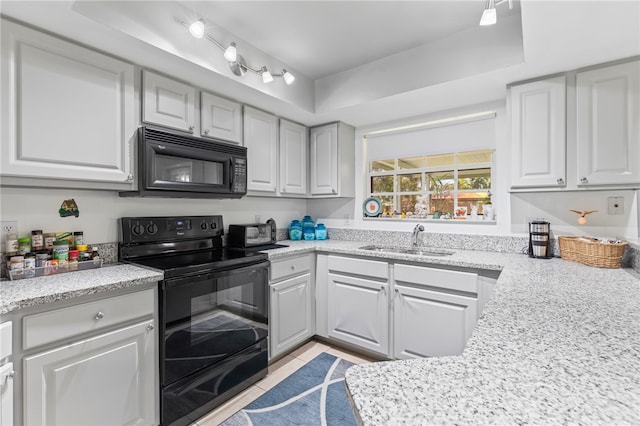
321 38
362 62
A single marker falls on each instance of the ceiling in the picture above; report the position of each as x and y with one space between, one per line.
321 38
361 62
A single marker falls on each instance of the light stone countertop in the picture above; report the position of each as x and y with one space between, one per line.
558 343
28 292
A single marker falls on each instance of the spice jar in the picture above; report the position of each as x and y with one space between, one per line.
73 260
16 267
61 252
12 244
49 238
24 245
37 240
29 267
78 238
41 258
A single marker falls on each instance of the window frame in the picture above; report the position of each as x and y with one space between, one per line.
425 172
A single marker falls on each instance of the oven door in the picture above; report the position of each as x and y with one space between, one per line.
211 317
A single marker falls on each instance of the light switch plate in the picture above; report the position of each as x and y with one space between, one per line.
616 205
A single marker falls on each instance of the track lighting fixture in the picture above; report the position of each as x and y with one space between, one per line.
237 63
489 15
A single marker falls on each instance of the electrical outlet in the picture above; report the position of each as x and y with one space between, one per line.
257 219
616 205
8 227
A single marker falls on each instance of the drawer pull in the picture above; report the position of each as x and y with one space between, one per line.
99 316
150 327
293 268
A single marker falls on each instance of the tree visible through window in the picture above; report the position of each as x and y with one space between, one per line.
454 184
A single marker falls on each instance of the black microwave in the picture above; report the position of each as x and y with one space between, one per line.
176 165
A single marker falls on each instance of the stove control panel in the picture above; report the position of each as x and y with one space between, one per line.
162 228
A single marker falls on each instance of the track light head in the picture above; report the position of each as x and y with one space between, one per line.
266 75
288 77
197 28
231 53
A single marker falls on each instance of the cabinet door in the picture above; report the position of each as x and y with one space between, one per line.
607 125
324 160
6 395
290 319
293 158
220 118
168 102
538 133
431 323
67 111
105 380
260 138
359 312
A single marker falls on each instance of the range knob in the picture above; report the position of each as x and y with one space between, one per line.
203 226
214 225
152 228
137 229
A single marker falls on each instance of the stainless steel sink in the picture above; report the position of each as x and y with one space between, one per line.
407 250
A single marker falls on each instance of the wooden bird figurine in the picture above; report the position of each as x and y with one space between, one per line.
583 213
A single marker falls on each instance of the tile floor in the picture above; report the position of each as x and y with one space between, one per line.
278 371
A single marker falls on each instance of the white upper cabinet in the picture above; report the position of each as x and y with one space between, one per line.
293 158
608 134
220 118
261 140
332 159
168 102
538 133
68 113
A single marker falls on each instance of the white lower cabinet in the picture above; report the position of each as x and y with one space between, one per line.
105 380
94 363
358 302
435 311
6 374
291 303
397 310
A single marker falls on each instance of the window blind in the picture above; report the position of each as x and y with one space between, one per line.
470 135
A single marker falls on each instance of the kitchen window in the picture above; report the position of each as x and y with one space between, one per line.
442 171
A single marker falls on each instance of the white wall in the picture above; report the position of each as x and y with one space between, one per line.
36 208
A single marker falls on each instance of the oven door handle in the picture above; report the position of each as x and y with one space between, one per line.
206 275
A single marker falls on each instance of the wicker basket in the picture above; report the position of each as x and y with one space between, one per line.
591 252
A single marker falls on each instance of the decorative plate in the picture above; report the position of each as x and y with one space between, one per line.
372 206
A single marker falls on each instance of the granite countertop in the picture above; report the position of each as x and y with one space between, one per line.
558 343
28 292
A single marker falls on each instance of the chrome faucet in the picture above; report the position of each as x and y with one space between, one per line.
414 237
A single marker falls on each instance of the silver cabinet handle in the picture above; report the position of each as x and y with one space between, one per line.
150 327
382 288
284 190
560 181
130 178
293 268
584 180
397 291
191 127
206 131
99 316
333 191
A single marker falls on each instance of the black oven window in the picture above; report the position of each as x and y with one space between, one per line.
178 169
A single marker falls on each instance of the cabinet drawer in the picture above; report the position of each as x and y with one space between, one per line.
351 266
290 267
63 323
451 280
5 340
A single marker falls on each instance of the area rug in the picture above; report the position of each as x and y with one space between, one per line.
313 395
